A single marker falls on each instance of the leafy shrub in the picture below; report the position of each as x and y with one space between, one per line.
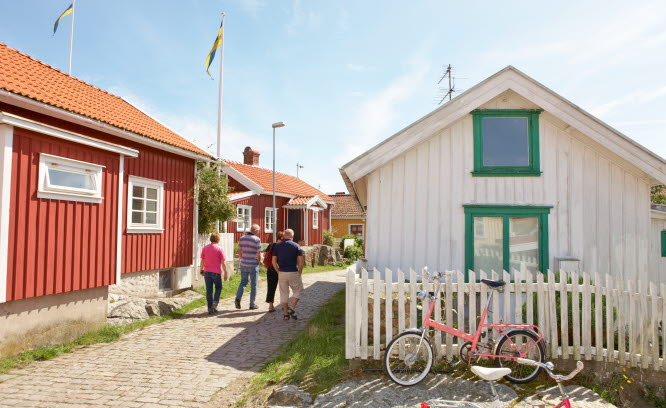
214 205
358 241
353 252
329 239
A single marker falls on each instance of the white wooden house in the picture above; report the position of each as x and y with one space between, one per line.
511 175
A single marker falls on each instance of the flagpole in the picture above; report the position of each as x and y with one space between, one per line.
219 106
71 39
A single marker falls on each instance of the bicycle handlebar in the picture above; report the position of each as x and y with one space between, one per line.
549 366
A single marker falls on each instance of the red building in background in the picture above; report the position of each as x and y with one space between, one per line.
94 193
299 206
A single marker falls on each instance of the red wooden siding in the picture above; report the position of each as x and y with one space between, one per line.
259 203
237 187
58 246
316 236
173 247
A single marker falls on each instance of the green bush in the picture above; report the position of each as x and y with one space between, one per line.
329 239
353 252
358 243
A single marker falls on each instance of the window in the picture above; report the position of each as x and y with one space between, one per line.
356 229
67 179
244 213
506 142
269 223
506 238
146 205
663 243
315 219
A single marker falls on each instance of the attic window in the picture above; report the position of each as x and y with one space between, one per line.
506 142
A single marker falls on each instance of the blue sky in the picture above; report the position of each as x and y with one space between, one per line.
344 75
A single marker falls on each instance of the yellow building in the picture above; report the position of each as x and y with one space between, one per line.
347 217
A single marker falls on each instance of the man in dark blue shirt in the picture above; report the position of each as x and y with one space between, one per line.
288 262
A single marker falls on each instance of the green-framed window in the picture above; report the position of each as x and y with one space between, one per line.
506 142
506 238
663 243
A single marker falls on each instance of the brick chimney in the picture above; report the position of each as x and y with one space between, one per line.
250 156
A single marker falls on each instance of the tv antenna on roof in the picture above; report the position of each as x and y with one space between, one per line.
447 92
298 166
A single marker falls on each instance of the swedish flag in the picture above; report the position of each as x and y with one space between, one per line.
216 45
67 12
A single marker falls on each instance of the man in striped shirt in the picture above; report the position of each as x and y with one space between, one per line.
249 252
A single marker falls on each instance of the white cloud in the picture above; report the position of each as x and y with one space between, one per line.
302 18
377 114
357 67
638 97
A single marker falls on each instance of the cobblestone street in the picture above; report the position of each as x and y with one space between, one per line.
178 363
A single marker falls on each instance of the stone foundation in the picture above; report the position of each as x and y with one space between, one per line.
29 323
146 284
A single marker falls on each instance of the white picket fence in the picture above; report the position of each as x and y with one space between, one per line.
603 319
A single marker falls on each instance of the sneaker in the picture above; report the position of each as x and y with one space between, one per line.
210 311
215 306
253 307
237 303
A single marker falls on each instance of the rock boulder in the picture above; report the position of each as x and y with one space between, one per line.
289 395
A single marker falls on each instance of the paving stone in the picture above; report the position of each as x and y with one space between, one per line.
178 363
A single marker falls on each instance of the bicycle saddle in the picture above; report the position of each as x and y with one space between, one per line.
492 283
489 373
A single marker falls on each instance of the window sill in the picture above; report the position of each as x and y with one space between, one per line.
137 230
506 173
69 197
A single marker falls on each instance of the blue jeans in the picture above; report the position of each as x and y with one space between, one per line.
212 278
250 273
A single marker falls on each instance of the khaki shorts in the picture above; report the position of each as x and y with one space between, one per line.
291 280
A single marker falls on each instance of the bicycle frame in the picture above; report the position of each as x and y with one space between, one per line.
500 328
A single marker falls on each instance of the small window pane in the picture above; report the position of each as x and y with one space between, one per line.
137 217
488 247
151 193
151 205
524 243
71 180
151 218
137 191
137 204
505 142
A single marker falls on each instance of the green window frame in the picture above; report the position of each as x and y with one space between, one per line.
663 243
506 212
534 167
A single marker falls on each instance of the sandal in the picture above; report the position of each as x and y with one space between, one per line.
285 317
292 313
271 310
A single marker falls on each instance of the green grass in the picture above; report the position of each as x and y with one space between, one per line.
324 268
109 333
315 358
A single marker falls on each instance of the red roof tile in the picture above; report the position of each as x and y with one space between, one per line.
300 200
346 206
284 183
23 75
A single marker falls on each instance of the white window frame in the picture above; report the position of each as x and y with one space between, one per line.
349 229
247 227
315 219
145 228
267 210
49 191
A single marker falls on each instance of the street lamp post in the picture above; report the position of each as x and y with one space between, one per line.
274 212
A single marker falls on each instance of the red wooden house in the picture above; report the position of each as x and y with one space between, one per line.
93 193
299 206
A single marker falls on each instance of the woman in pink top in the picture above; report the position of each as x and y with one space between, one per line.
211 268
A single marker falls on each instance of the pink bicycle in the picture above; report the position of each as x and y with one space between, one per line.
493 374
409 356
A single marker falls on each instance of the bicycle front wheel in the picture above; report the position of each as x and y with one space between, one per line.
407 359
512 345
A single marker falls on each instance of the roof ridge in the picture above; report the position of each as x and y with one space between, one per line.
263 168
61 72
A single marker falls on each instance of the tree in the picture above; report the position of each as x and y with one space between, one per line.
658 194
214 205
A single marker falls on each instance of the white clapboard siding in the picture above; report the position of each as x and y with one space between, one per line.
600 202
578 329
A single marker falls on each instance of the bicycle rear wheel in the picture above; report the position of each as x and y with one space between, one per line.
407 360
513 344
